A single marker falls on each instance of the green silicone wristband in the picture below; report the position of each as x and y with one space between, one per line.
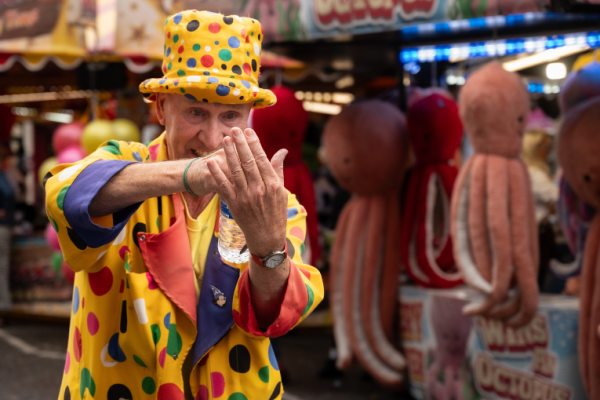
185 183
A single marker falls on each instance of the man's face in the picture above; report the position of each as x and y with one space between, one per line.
194 128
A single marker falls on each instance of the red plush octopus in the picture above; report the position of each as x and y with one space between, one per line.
493 220
435 132
283 126
366 149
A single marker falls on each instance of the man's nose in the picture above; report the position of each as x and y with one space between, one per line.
212 137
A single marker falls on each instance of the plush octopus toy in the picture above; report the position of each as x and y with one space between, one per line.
578 150
366 150
492 217
435 132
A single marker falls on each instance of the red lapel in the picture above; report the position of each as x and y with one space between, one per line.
168 258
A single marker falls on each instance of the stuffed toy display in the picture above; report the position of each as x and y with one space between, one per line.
578 149
435 133
283 126
492 218
366 150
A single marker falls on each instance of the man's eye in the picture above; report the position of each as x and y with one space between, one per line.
230 115
196 113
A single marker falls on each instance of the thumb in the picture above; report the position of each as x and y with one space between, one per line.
277 163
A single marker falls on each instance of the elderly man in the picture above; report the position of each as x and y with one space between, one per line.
156 312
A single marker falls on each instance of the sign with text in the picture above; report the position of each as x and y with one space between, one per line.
451 355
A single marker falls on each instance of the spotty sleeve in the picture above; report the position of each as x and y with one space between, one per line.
304 287
70 188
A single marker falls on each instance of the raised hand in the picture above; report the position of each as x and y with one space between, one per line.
255 194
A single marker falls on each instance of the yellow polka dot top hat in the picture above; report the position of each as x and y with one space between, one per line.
211 58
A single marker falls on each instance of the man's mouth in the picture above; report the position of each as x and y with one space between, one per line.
200 153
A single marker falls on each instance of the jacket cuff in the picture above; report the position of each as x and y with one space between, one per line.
291 310
80 195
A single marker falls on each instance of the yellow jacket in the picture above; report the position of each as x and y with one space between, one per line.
134 317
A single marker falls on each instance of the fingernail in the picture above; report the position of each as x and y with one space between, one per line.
236 132
249 132
227 141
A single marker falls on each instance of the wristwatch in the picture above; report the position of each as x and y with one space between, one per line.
272 260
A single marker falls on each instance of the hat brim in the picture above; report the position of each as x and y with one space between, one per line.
210 90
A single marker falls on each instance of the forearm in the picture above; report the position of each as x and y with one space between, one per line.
136 183
267 289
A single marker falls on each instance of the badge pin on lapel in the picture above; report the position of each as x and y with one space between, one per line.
218 296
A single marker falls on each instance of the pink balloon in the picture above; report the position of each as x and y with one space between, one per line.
71 154
67 135
52 237
68 273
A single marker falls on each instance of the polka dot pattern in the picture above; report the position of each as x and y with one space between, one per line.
202 393
226 46
148 385
217 381
273 359
239 359
87 383
169 391
263 374
151 283
92 323
119 392
75 300
101 281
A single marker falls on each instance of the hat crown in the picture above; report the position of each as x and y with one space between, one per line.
212 58
197 42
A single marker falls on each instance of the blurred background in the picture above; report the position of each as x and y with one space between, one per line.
67 64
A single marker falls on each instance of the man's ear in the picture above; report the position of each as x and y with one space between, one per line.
160 107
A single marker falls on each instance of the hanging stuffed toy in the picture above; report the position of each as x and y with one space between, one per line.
283 126
435 133
578 149
493 221
366 150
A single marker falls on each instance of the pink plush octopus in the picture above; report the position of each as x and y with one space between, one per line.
366 148
493 221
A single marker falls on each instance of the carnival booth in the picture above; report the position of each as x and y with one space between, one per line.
486 308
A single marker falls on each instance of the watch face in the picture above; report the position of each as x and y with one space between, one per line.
274 261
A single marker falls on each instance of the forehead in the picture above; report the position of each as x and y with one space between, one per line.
184 102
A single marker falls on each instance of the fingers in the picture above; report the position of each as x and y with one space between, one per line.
277 164
235 168
224 187
246 157
262 161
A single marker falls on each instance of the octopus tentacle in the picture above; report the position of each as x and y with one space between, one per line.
459 228
372 282
337 269
427 256
355 236
522 257
497 217
533 230
588 281
359 341
478 232
508 308
409 222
